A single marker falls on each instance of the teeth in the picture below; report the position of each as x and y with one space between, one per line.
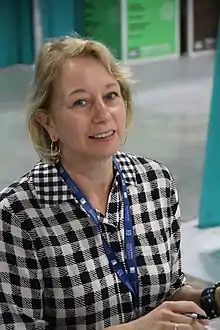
103 135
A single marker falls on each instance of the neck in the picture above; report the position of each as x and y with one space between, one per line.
93 176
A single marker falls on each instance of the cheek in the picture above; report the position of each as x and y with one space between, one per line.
122 115
69 124
120 120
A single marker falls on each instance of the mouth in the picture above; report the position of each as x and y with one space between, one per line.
103 135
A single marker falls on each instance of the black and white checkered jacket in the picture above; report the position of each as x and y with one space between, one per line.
54 273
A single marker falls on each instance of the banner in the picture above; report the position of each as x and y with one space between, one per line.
152 28
102 22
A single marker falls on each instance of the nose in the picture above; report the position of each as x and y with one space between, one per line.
100 111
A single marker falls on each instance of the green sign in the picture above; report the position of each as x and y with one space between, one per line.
152 29
102 22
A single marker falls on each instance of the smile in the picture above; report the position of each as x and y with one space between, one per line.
103 135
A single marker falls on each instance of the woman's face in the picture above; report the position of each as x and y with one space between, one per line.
88 111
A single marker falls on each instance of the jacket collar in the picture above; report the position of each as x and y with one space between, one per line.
51 189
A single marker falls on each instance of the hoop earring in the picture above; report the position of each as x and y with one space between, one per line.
124 141
54 150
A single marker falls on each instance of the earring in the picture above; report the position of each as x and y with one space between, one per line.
124 141
54 150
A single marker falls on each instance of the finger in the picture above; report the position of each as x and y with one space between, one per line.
167 315
182 307
181 318
171 326
203 322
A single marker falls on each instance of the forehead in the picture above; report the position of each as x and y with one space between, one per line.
84 72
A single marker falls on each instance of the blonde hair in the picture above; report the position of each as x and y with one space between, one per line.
50 61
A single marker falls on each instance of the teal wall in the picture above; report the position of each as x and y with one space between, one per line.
61 17
16 32
209 214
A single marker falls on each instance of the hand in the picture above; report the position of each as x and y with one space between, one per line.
170 313
217 297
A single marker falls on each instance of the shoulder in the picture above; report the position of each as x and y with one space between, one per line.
151 178
14 197
145 169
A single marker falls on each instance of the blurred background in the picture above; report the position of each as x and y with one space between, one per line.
172 49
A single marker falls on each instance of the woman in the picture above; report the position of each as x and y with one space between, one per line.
90 237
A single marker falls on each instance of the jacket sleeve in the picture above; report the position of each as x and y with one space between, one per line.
21 279
177 276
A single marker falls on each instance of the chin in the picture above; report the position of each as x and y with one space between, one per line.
105 153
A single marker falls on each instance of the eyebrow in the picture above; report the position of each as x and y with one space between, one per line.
81 90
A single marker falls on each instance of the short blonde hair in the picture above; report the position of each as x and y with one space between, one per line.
50 61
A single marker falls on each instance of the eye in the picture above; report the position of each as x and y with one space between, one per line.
80 103
112 95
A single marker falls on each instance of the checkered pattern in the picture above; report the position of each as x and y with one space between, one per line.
54 272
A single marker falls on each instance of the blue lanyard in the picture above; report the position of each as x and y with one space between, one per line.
129 278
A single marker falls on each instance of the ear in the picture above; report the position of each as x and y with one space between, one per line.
46 120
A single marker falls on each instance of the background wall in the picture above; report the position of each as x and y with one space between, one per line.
18 28
135 30
16 32
61 19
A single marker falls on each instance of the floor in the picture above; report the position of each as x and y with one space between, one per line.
171 117
172 102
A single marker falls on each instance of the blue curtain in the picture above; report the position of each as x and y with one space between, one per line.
16 32
61 18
